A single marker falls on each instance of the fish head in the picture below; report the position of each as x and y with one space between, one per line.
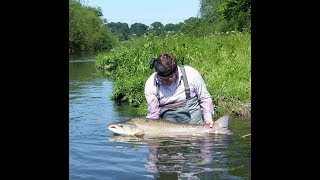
123 128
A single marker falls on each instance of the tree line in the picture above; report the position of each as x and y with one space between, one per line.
89 31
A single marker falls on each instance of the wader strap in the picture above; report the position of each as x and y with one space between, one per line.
158 94
185 82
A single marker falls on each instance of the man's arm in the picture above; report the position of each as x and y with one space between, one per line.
205 98
151 98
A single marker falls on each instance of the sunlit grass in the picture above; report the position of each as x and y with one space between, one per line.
224 60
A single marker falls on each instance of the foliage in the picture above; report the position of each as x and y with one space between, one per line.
209 10
237 12
121 30
196 27
215 16
223 59
86 29
227 15
138 29
172 27
157 28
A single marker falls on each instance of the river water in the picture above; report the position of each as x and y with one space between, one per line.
96 153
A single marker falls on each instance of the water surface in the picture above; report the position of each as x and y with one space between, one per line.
96 153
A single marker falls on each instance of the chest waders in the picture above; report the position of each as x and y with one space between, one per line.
185 111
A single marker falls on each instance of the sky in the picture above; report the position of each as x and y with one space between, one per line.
146 11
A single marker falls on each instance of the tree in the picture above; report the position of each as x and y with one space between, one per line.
121 30
227 14
237 12
172 27
86 29
157 28
196 27
138 29
209 10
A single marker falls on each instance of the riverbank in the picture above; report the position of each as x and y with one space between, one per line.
223 60
235 108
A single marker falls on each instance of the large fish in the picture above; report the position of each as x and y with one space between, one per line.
160 127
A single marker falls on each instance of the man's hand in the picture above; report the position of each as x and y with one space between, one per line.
210 122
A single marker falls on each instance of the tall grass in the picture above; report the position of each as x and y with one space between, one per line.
223 60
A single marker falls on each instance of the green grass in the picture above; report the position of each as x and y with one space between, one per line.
224 61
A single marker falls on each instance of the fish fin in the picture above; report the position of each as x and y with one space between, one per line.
222 125
139 134
223 121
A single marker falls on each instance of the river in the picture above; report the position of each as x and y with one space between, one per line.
96 153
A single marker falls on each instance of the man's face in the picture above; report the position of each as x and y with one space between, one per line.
170 79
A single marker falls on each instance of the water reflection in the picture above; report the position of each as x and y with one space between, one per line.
82 55
91 156
183 157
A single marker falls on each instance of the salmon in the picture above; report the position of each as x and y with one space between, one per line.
140 127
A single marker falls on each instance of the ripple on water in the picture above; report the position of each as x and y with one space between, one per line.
95 153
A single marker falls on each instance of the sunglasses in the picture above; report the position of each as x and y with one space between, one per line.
168 78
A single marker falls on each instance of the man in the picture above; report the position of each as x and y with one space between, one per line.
177 93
